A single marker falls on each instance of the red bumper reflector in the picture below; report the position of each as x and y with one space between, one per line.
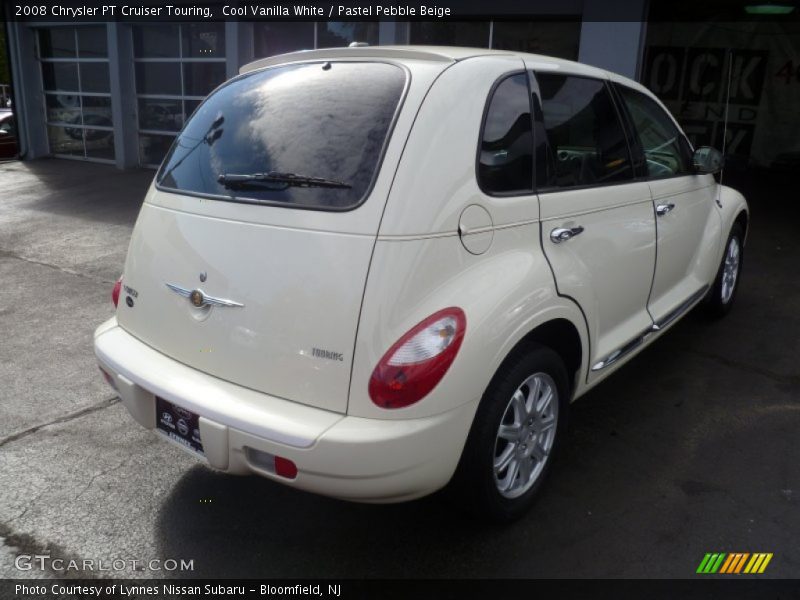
285 468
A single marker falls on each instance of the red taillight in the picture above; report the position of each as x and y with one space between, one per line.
285 468
418 360
115 292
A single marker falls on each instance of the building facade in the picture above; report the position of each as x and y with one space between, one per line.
118 93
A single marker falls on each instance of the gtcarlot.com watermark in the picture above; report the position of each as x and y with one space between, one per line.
45 562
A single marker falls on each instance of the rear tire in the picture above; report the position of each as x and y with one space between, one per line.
516 432
723 292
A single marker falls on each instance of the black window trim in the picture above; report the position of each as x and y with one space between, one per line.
487 105
549 189
254 201
629 119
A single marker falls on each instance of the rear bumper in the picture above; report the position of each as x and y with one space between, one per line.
368 460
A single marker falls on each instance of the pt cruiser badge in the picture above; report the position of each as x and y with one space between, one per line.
199 299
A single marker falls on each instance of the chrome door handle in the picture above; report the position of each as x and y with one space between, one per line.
562 234
663 209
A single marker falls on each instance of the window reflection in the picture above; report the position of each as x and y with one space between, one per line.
319 122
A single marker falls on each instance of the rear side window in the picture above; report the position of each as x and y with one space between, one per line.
666 150
505 164
587 142
306 136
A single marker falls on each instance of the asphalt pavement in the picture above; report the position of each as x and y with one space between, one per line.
691 448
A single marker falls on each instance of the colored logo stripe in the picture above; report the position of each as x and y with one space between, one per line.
710 563
734 563
758 563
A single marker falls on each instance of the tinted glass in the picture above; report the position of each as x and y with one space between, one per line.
158 78
7 126
99 143
153 148
316 120
450 33
57 42
199 78
665 148
92 42
281 37
156 41
339 33
65 140
203 40
63 108
94 77
60 76
587 142
97 111
163 114
554 38
189 106
506 152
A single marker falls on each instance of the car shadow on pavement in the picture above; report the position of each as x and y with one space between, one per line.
252 527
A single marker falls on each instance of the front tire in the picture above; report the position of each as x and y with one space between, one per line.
723 292
516 432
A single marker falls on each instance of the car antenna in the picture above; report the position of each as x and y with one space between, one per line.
725 126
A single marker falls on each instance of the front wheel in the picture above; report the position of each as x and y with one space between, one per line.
723 292
515 434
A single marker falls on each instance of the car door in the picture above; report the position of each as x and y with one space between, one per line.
597 222
683 201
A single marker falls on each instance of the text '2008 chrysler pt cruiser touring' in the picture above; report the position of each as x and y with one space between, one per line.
368 272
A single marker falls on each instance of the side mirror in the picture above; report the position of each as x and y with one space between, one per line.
707 160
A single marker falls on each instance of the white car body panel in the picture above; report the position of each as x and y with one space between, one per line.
353 282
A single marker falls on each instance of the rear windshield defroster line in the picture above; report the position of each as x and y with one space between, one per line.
319 121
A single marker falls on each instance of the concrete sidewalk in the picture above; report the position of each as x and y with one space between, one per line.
692 448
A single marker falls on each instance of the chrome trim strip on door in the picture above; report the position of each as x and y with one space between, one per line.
623 351
682 308
642 337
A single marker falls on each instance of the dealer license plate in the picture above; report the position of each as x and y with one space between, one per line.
179 425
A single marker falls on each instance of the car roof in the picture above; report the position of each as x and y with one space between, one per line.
425 53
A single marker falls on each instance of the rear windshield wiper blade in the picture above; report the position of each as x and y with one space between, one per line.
283 180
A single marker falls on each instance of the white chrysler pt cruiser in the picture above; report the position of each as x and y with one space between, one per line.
368 272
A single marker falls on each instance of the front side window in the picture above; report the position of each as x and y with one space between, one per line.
505 164
308 135
587 142
666 150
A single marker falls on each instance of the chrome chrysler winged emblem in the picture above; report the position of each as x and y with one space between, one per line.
199 299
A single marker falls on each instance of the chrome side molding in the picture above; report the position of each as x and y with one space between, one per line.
680 309
658 326
623 351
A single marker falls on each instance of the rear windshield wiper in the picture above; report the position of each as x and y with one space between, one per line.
281 181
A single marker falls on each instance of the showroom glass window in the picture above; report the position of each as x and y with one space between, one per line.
340 33
586 139
77 91
176 66
279 37
473 34
666 150
505 162
554 37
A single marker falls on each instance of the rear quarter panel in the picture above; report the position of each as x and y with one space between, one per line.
505 293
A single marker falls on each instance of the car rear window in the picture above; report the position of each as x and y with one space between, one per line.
307 136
